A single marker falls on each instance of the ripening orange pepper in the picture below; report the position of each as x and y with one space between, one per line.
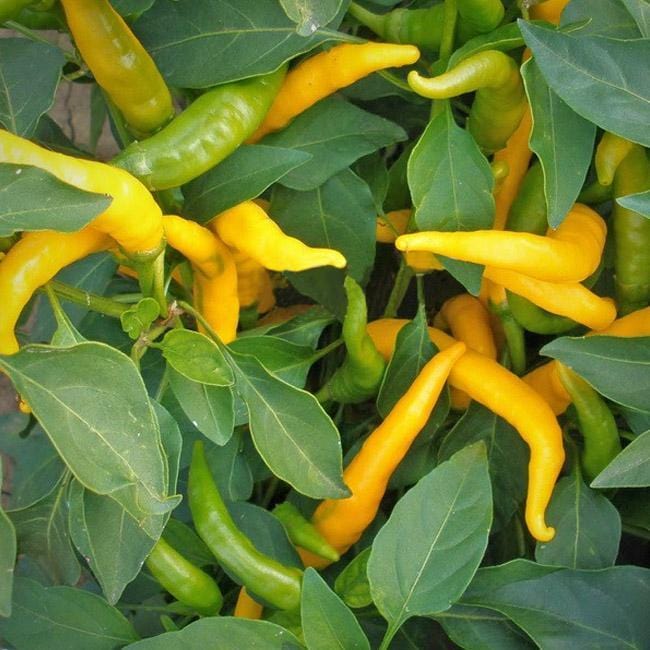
550 10
492 385
246 607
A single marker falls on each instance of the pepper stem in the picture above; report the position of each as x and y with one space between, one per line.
91 301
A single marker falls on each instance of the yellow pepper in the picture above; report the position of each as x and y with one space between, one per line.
34 260
133 219
550 10
254 285
490 384
246 607
610 153
325 73
247 228
215 281
569 254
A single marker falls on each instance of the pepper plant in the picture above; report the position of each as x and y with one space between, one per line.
344 342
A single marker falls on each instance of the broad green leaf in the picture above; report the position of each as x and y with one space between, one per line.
638 202
209 408
66 334
295 437
131 8
230 468
196 357
36 468
426 554
640 9
599 78
188 543
42 533
304 329
286 360
587 528
340 214
563 142
32 199
352 583
309 15
631 468
612 19
242 176
62 618
373 171
479 628
507 457
239 38
357 133
634 508
91 401
565 608
326 621
451 184
225 633
29 75
139 318
616 367
504 38
7 559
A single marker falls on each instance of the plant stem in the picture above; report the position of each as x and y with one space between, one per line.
91 301
185 306
402 281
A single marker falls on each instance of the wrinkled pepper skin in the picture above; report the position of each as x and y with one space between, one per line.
277 584
120 65
34 260
254 286
490 384
133 218
205 133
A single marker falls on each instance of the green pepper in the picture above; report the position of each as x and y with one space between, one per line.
358 378
500 100
303 533
9 9
514 335
210 129
183 580
601 442
478 17
631 234
262 575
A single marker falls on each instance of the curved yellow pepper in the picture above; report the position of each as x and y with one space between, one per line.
490 384
215 280
254 285
133 219
34 260
247 228
325 73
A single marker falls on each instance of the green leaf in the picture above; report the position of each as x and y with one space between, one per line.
641 13
340 214
139 318
32 199
482 629
326 621
357 133
631 468
230 468
7 559
242 176
91 401
42 533
62 618
565 608
211 409
563 142
286 360
225 633
21 103
352 583
588 528
504 38
611 19
304 329
295 437
239 39
638 202
507 457
599 78
426 554
451 184
616 367
196 357
130 8
309 15
188 543
66 334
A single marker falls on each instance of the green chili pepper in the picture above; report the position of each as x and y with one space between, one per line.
514 334
478 17
183 580
631 234
303 533
500 100
210 129
358 378
9 9
262 575
421 27
601 442
595 193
